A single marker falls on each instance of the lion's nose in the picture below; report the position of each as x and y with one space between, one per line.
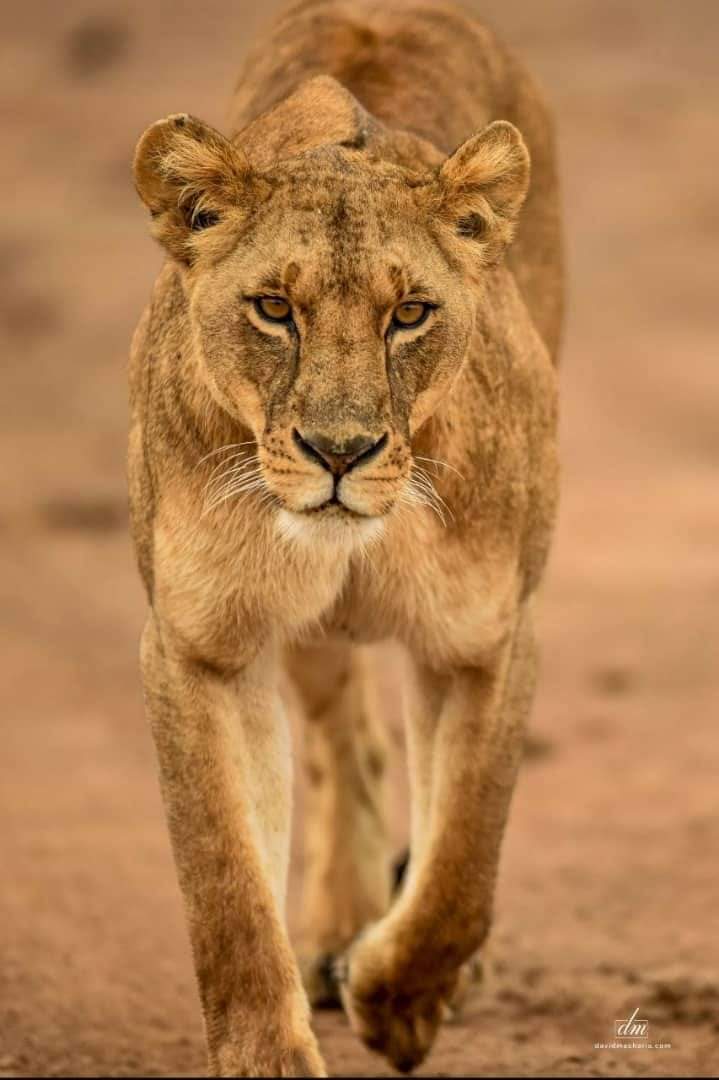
339 457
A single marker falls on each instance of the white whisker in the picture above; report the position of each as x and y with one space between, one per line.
229 446
241 455
443 464
421 490
243 469
243 485
421 477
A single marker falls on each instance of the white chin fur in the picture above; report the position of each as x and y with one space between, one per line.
345 532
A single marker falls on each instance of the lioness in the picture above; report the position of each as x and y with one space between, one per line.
344 430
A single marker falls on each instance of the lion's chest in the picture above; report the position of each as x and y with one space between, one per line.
450 599
450 604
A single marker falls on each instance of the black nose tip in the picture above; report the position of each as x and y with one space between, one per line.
339 457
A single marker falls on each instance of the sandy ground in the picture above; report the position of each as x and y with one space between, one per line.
608 895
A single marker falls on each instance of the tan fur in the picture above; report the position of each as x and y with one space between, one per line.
346 880
358 175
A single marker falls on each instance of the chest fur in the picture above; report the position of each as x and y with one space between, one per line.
450 602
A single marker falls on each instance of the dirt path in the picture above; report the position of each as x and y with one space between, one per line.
608 896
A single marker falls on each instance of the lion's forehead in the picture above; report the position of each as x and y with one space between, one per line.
340 199
341 231
336 167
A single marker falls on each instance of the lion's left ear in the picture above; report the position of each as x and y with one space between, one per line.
483 185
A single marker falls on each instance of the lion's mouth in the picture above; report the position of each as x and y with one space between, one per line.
334 505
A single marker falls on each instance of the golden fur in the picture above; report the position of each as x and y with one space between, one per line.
300 485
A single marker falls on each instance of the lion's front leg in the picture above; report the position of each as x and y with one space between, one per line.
223 751
465 747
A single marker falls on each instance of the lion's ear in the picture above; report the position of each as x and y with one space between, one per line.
320 112
483 185
187 174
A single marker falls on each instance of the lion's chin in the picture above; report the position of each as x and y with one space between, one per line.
332 524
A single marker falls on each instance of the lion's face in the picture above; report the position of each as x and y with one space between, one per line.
330 304
331 329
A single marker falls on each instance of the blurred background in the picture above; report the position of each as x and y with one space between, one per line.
608 894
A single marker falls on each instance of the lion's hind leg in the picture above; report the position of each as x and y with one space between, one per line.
347 871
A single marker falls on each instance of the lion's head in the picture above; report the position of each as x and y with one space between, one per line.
331 287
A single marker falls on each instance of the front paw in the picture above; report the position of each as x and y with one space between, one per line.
395 1014
264 1051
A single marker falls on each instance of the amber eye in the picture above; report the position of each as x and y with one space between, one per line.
410 314
273 308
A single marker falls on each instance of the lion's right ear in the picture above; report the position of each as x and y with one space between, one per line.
482 187
188 175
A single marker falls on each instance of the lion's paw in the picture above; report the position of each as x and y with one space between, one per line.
280 1044
394 1018
292 1059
